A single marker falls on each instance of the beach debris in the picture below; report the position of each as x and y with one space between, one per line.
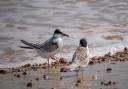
79 81
34 67
111 58
126 50
107 54
29 84
63 61
63 70
16 70
107 83
45 76
61 77
91 62
109 70
3 72
76 84
37 79
18 75
94 77
27 66
24 73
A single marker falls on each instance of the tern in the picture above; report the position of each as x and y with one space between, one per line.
49 48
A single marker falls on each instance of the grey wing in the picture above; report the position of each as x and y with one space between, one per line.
49 46
73 58
37 46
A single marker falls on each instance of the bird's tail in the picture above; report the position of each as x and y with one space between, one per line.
31 45
26 47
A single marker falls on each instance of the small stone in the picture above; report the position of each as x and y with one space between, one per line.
40 64
91 63
113 83
109 82
27 65
101 82
18 75
76 84
3 72
79 81
63 70
45 76
29 84
94 77
125 50
108 54
63 61
37 79
61 77
24 73
53 88
108 70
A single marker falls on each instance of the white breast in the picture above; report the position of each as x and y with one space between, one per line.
60 43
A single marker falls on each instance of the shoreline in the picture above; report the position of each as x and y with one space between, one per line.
108 71
121 56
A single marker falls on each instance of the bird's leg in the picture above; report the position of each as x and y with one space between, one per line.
56 61
48 65
77 74
54 58
82 74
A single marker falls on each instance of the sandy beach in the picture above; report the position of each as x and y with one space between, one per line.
104 23
110 73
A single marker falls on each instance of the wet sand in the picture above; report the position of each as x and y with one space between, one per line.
110 73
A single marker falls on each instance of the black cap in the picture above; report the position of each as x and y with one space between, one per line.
83 42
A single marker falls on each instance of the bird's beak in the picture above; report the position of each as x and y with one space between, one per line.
68 36
65 35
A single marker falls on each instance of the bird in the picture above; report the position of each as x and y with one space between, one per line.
50 47
80 57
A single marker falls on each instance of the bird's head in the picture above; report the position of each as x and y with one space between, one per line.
83 42
59 33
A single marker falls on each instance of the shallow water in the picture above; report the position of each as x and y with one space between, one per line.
103 23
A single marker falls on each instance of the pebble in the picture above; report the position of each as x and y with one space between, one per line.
79 81
94 77
37 79
91 63
18 75
29 84
109 70
45 76
3 72
61 77
76 84
24 73
27 65
107 83
63 70
53 88
63 61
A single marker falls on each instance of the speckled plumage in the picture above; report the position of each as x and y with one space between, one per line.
80 57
